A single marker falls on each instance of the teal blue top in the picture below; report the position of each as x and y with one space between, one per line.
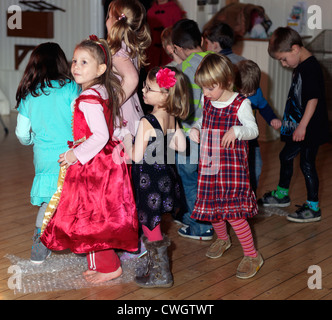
45 123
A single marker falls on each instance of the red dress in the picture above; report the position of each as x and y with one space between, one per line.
96 209
224 190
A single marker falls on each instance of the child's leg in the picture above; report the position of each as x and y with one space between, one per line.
103 266
40 215
221 229
310 211
156 271
252 260
243 232
308 167
286 156
153 235
222 243
38 251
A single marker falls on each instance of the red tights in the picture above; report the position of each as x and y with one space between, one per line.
153 235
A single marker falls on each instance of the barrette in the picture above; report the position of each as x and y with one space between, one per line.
122 16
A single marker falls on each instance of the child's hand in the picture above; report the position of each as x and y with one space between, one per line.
194 135
68 158
299 133
228 140
276 124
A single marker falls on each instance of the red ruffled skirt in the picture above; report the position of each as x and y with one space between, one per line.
96 210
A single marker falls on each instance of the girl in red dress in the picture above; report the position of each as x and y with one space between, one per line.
94 210
224 191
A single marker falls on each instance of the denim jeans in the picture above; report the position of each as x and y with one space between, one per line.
187 166
255 165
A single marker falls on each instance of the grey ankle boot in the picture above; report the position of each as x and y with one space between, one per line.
156 273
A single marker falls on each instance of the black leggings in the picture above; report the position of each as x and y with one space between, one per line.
307 164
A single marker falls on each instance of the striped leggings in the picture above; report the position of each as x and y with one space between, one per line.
243 232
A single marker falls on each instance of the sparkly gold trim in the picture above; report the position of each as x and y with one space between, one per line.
53 204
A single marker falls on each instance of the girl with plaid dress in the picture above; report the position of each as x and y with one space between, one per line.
224 191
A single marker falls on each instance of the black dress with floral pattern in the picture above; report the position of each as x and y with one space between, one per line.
157 185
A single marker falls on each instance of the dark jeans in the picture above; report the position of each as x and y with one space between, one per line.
307 164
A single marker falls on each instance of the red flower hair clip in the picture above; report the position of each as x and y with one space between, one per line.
166 78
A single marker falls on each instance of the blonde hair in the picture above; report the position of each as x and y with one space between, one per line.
215 69
131 28
177 102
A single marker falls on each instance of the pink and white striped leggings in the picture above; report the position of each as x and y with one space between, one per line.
243 232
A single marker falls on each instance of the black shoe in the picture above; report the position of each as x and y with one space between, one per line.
269 200
304 214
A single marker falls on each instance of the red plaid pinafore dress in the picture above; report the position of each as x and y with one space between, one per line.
224 190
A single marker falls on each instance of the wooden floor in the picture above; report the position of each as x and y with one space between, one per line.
289 249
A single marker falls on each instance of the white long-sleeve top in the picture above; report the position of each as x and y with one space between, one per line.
249 128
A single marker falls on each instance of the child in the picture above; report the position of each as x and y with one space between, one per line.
128 38
44 99
247 79
219 37
166 41
224 192
92 216
186 39
162 14
154 174
304 125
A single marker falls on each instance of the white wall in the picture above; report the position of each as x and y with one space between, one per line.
82 18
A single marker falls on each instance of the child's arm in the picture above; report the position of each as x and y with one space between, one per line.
23 130
195 131
178 141
136 151
259 102
247 131
128 73
300 131
96 121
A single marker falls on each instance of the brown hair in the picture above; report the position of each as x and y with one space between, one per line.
282 40
108 78
247 76
47 62
177 102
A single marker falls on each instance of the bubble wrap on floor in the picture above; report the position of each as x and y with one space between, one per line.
64 272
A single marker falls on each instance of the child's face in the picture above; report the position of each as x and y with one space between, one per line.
85 68
215 93
152 94
289 59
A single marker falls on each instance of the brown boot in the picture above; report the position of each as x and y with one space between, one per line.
157 273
